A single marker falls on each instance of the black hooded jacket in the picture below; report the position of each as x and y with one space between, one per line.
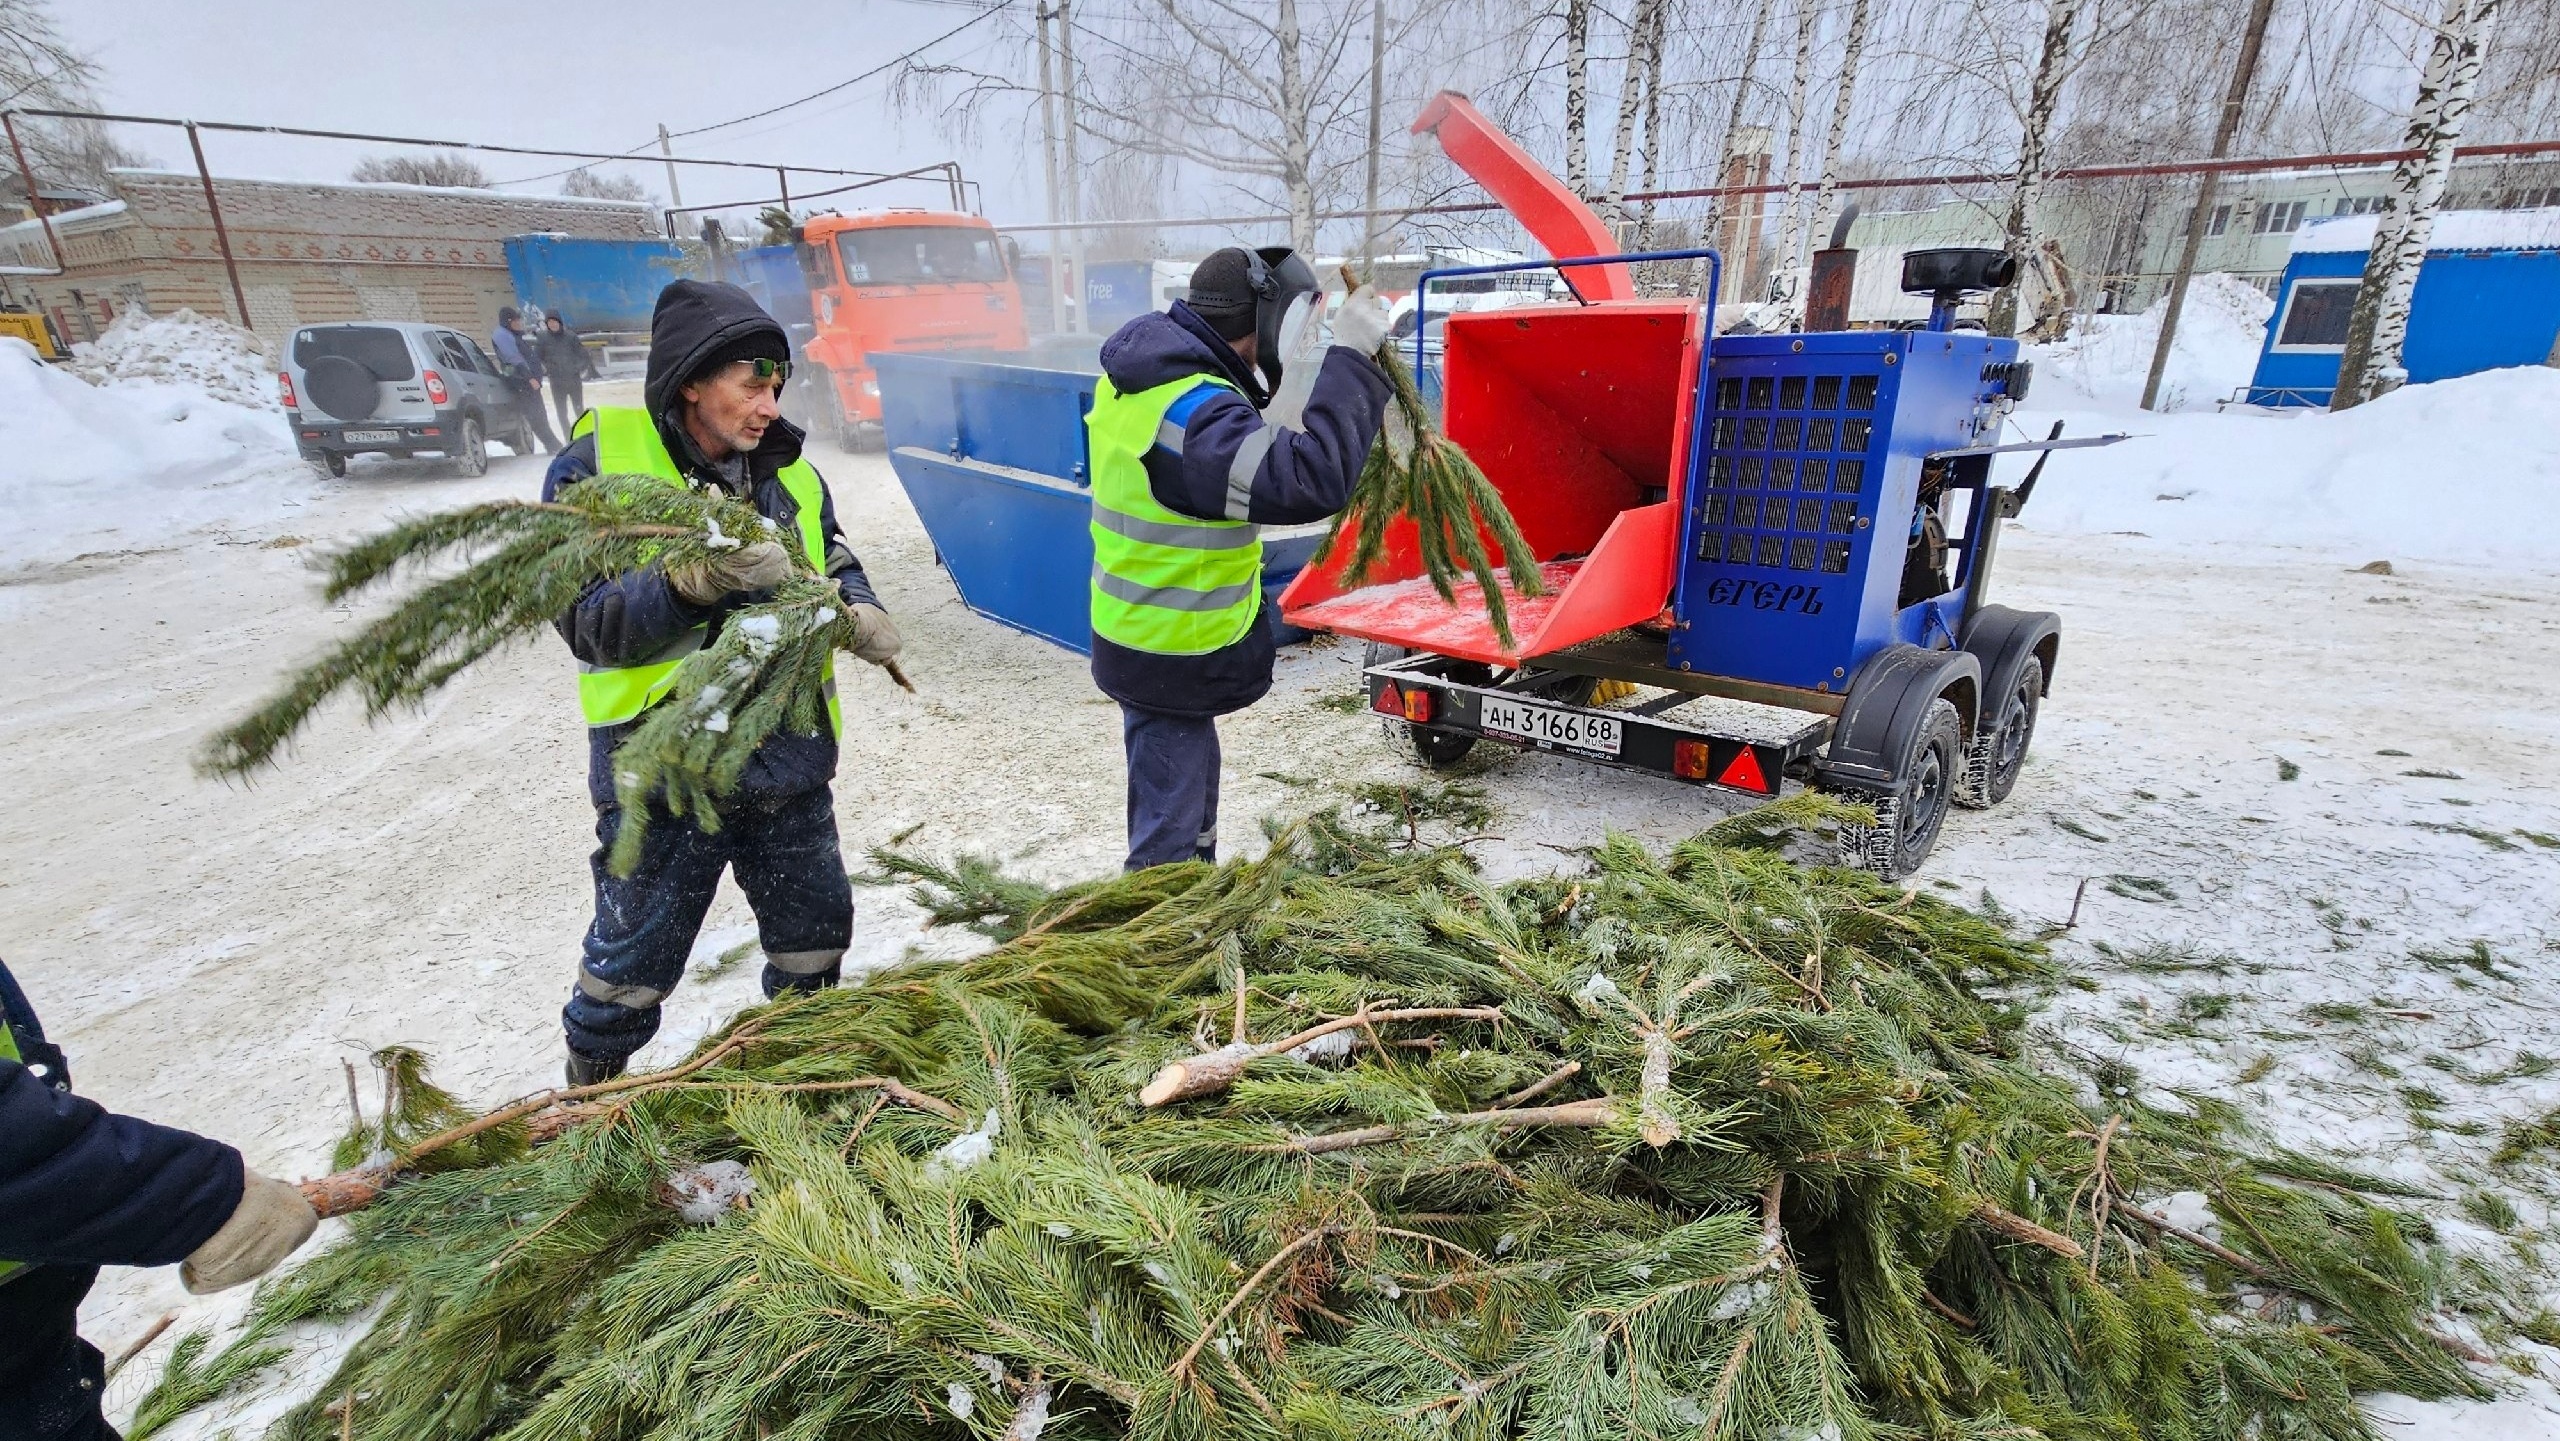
635 615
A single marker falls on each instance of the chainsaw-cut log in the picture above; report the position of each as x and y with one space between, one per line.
346 1191
1214 1071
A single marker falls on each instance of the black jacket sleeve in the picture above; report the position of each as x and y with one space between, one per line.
80 1186
841 563
630 617
1236 466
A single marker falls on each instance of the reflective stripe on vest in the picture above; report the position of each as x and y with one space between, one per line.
1165 583
9 1052
627 443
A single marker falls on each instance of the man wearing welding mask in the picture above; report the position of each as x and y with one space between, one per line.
1200 436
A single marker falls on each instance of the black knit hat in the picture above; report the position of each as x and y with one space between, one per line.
1222 293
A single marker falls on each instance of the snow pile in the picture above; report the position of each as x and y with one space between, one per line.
90 468
2107 358
2460 470
214 356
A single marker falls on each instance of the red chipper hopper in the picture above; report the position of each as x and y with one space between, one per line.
1580 414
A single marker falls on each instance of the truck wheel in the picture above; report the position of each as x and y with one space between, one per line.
1999 749
1908 819
471 455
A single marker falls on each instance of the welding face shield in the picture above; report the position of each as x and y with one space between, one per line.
1280 279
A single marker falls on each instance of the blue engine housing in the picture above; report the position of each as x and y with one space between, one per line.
1803 482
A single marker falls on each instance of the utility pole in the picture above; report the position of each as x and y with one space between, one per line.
1071 177
2235 99
675 195
1049 173
1377 101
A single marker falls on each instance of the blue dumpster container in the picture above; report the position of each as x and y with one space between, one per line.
992 456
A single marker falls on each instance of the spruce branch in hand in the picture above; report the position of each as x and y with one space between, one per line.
1451 503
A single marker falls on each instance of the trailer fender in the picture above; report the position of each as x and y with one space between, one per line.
2002 639
1888 702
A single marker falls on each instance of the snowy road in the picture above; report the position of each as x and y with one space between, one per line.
2298 795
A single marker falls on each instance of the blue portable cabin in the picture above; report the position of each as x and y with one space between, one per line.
597 285
772 274
2488 296
992 455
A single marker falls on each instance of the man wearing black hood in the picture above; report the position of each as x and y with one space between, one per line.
717 366
1186 470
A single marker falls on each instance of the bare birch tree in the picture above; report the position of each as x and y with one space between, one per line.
2379 325
1826 202
1787 289
1577 96
2023 230
1643 37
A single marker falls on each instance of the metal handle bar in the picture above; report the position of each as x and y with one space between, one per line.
1422 287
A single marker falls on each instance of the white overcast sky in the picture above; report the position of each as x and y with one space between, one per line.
579 74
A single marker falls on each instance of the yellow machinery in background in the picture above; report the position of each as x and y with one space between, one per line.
31 329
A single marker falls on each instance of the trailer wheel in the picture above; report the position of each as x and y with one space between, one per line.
1908 819
1440 749
1999 749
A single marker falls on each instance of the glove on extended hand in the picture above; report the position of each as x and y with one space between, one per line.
271 1221
875 636
1361 324
760 566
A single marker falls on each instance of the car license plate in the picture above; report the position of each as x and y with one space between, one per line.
1550 727
373 437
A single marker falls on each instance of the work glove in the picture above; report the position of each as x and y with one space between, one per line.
875 636
760 566
271 1221
1361 323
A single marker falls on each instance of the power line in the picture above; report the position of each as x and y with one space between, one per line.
890 64
642 151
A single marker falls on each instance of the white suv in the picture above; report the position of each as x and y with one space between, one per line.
397 388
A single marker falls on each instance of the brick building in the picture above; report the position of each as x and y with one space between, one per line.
308 252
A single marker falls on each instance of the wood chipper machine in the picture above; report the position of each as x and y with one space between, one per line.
1778 545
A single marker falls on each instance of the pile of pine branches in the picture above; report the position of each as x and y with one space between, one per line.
507 569
1348 1142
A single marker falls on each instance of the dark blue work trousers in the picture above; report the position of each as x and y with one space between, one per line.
788 861
51 1381
1173 787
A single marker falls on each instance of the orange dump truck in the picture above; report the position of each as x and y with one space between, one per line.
896 280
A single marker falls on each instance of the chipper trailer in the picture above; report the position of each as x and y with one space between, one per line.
1747 530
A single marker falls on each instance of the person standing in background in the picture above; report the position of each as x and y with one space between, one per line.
523 371
566 362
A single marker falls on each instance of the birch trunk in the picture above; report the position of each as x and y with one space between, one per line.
1788 289
1641 27
1652 122
1577 95
2024 231
1377 93
2379 326
2235 101
1297 152
1826 201
1725 156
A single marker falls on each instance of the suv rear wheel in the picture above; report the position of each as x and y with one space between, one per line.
330 461
471 455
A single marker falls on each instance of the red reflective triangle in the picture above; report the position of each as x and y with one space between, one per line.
1743 772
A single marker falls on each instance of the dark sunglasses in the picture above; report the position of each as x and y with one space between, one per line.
768 371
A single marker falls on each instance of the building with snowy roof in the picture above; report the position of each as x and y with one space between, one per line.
2488 296
307 251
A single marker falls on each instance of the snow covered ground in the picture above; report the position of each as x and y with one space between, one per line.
2306 815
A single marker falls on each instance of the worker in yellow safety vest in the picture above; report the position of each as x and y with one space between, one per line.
712 418
1187 468
82 1187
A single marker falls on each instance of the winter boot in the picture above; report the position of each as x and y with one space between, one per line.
589 1070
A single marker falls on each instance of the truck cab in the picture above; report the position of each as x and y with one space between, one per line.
896 280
